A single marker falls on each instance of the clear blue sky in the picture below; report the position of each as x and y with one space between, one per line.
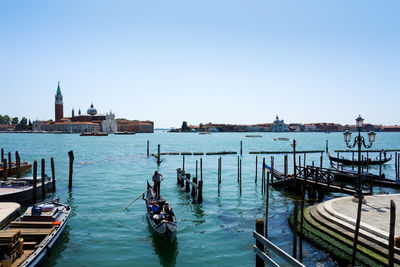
203 61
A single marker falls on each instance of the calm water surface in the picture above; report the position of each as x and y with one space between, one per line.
109 172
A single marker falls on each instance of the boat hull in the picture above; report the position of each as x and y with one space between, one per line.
25 194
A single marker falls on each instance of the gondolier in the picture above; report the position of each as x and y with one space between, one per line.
157 177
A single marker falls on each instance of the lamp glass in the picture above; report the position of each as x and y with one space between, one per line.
359 122
371 136
347 136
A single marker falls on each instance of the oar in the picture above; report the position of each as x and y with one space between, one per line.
135 199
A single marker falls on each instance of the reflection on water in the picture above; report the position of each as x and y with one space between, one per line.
166 251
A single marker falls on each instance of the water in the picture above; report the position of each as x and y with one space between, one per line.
109 172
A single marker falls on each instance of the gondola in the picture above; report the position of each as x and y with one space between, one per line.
356 162
161 225
348 176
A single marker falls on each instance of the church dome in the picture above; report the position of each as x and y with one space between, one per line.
92 111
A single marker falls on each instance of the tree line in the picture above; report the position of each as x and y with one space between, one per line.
21 125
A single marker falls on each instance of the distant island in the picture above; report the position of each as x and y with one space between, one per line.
280 126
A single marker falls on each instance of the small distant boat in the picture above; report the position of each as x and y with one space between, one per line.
28 239
356 162
253 135
125 133
204 133
281 139
94 134
161 226
21 189
24 167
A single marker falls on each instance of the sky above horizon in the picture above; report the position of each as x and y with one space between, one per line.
238 62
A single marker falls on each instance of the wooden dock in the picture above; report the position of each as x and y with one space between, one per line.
323 178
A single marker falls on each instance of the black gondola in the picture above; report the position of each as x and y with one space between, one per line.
162 224
356 162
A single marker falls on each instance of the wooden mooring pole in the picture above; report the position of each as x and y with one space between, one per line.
148 148
2 155
352 160
43 180
18 164
326 146
53 175
285 163
158 155
201 169
356 231
183 162
197 168
9 164
294 158
259 245
241 147
391 232
321 160
219 174
380 164
295 216
71 168
255 180
200 192
34 182
238 170
272 169
301 222
263 177
266 206
5 170
240 182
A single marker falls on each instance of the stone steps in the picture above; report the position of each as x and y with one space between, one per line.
343 231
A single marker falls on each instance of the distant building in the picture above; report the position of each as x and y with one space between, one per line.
90 122
124 125
310 127
279 126
391 128
58 103
109 125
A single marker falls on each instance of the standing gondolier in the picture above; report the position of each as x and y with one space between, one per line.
157 177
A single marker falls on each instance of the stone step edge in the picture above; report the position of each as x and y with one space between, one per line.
349 234
350 228
364 226
342 240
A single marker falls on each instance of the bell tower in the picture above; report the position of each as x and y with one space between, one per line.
59 110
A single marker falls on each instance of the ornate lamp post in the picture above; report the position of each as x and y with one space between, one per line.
359 141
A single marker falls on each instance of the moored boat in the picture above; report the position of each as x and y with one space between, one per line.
94 134
161 224
21 189
24 167
367 161
28 239
281 139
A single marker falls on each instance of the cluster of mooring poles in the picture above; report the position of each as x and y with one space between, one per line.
10 168
184 181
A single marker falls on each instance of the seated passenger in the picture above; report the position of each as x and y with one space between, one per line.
167 212
155 207
166 209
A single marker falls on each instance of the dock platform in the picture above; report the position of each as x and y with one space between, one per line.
8 211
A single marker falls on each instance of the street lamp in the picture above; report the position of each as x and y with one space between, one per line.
359 141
